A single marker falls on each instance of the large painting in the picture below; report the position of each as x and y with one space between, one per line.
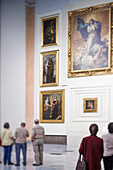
52 106
49 69
89 48
50 31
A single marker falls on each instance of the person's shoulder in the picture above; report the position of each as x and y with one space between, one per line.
2 130
26 129
105 135
41 126
86 138
99 139
17 129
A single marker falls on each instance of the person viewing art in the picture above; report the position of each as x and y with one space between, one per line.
108 148
91 148
20 135
7 142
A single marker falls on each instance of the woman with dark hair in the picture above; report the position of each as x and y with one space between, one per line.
108 148
7 141
92 149
0 148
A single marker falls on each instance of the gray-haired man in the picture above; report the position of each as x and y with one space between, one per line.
38 140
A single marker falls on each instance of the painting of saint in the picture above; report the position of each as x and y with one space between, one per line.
49 31
50 69
56 109
91 41
90 105
47 107
52 106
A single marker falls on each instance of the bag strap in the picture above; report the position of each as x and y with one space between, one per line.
80 155
79 159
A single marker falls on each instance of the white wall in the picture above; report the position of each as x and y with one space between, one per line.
0 64
78 88
13 62
74 127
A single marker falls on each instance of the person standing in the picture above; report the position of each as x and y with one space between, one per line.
92 149
0 148
7 142
20 135
108 148
38 139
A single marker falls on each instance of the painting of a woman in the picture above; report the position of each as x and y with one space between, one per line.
55 108
91 41
52 106
47 106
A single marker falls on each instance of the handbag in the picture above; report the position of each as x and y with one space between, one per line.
81 163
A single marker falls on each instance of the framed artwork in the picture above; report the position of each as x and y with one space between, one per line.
90 41
49 69
49 31
52 106
90 105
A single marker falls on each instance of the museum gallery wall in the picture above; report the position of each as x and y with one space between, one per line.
86 41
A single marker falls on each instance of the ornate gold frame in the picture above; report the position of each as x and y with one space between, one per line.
41 69
41 106
42 42
89 72
90 110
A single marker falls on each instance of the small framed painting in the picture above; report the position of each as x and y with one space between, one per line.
52 106
49 69
49 31
90 105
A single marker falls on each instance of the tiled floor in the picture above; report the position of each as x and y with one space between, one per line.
56 157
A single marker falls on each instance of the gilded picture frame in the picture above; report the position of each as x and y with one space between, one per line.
90 41
49 34
52 105
90 105
49 70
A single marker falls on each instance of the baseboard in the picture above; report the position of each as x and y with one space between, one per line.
55 139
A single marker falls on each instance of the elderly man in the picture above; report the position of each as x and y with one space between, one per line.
38 139
21 134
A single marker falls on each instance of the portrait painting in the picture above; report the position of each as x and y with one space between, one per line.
90 105
50 31
49 69
52 106
89 41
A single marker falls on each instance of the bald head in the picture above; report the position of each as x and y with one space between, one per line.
36 121
93 129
